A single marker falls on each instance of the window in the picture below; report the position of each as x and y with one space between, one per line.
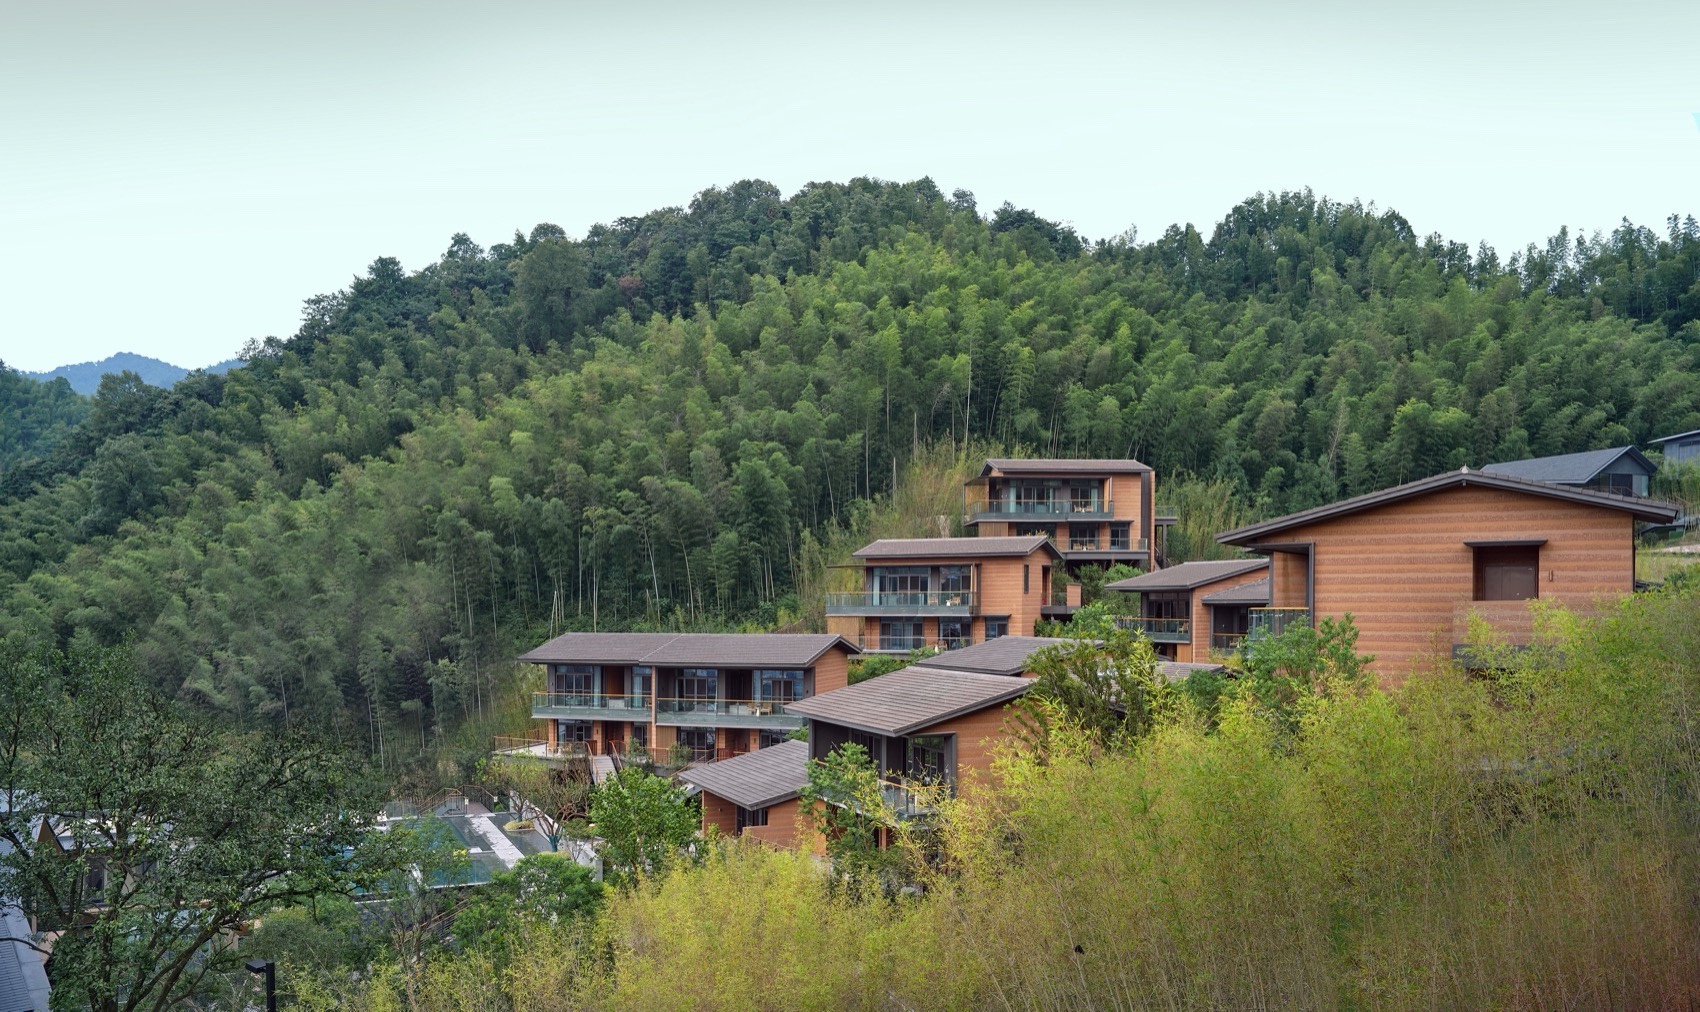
954 580
1027 579
576 680
748 817
770 737
572 730
779 686
640 735
901 634
1121 537
1082 537
1034 531
699 740
1167 604
1507 572
698 683
907 585
997 626
929 759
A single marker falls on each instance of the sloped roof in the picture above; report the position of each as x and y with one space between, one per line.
910 699
23 978
1679 435
1570 468
756 650
1058 465
954 548
1641 509
1255 592
1004 655
756 779
1188 575
1180 671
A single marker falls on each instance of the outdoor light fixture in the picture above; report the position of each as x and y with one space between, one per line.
269 968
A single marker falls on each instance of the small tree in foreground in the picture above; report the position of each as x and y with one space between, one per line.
179 832
1108 686
842 801
644 821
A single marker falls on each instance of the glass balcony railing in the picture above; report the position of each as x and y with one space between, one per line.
1002 509
875 643
1274 621
1158 630
882 602
725 713
598 704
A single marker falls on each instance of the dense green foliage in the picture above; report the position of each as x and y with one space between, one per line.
34 417
1522 841
169 832
661 424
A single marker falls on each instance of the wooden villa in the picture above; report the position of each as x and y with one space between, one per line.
1096 512
710 695
1195 610
946 593
1413 564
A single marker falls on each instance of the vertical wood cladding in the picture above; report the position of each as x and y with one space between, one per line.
782 829
832 670
1404 572
976 734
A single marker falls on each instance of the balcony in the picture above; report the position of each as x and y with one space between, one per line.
1158 630
879 602
1100 544
1273 622
1027 509
590 705
725 713
874 643
1226 644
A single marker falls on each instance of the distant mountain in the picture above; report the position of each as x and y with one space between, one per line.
84 377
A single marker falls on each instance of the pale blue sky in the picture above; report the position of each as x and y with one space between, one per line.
177 178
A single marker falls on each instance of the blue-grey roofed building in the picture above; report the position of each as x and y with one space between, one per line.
1682 448
1620 469
23 978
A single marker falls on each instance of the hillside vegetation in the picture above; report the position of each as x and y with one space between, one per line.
662 423
1521 842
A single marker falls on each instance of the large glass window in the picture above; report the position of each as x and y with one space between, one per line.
900 634
1167 604
997 625
698 683
928 759
777 686
769 737
751 817
572 730
576 680
699 740
953 632
1507 573
955 580
1121 537
1082 537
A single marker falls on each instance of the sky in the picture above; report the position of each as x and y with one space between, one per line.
177 178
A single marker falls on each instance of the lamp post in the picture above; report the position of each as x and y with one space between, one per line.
269 968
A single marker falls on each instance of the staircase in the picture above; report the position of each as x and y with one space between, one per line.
601 768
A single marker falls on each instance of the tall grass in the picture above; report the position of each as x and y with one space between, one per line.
1525 841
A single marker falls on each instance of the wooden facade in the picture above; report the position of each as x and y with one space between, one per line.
1408 567
1004 596
1095 512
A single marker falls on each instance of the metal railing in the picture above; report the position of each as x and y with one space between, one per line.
926 602
590 701
1094 544
721 707
1159 630
998 508
874 643
1274 621
1226 642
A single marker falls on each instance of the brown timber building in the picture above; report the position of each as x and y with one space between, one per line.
1412 564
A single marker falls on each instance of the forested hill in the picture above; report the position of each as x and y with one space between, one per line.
651 425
